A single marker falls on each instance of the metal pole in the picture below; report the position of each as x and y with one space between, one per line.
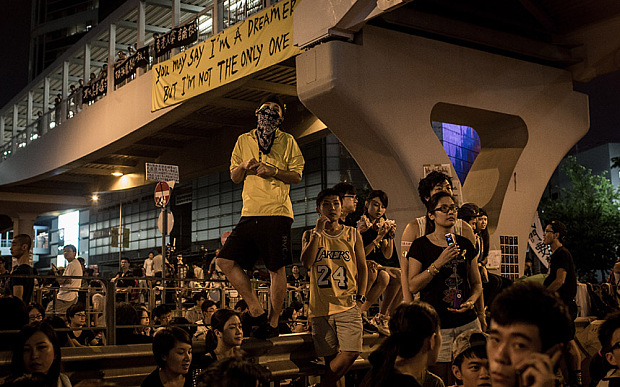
120 230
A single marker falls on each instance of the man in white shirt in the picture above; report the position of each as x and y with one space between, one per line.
68 293
148 265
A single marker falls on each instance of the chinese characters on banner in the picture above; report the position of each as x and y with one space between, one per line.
125 69
535 240
176 37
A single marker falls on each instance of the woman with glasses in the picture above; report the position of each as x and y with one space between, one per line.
443 270
76 319
36 312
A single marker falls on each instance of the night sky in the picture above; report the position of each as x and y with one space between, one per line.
14 32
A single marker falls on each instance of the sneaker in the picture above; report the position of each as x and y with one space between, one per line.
256 321
381 323
368 326
266 331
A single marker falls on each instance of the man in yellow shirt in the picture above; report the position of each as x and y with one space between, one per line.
267 161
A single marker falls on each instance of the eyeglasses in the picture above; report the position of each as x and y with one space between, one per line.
447 208
614 347
354 197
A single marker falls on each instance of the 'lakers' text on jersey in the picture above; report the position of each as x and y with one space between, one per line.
333 275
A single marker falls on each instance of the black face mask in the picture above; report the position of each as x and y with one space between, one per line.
268 121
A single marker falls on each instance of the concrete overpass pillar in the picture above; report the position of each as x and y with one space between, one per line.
380 96
23 223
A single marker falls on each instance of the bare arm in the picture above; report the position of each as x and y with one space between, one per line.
360 259
266 171
18 291
248 167
468 233
410 234
309 248
559 280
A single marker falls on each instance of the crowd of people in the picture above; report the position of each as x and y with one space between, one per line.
445 318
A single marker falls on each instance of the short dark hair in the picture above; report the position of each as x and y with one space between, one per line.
382 196
23 239
607 329
199 295
531 303
71 247
560 228
164 341
241 304
468 211
234 371
160 310
325 193
275 99
206 305
73 309
345 189
427 184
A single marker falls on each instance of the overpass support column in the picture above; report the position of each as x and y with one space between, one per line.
379 97
24 224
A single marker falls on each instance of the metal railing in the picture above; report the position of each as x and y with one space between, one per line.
232 12
173 292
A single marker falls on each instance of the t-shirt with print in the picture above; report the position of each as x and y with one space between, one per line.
450 283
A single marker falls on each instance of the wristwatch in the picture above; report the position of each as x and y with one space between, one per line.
361 298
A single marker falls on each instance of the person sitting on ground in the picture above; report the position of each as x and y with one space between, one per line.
241 307
334 256
36 357
224 338
145 320
195 313
290 322
381 258
609 337
470 365
172 349
413 345
14 317
161 315
529 327
208 308
76 320
184 324
234 372
36 313
126 315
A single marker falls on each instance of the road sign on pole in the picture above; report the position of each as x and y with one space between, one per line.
162 194
162 172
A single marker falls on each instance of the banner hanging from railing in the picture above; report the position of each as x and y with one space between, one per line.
97 88
176 37
125 69
260 41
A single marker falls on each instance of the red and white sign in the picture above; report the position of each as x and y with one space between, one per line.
162 194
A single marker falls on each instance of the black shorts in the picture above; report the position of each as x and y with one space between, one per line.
260 237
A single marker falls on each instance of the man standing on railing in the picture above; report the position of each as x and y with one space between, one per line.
20 249
68 292
267 161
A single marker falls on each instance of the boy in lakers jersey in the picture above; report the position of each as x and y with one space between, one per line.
334 256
